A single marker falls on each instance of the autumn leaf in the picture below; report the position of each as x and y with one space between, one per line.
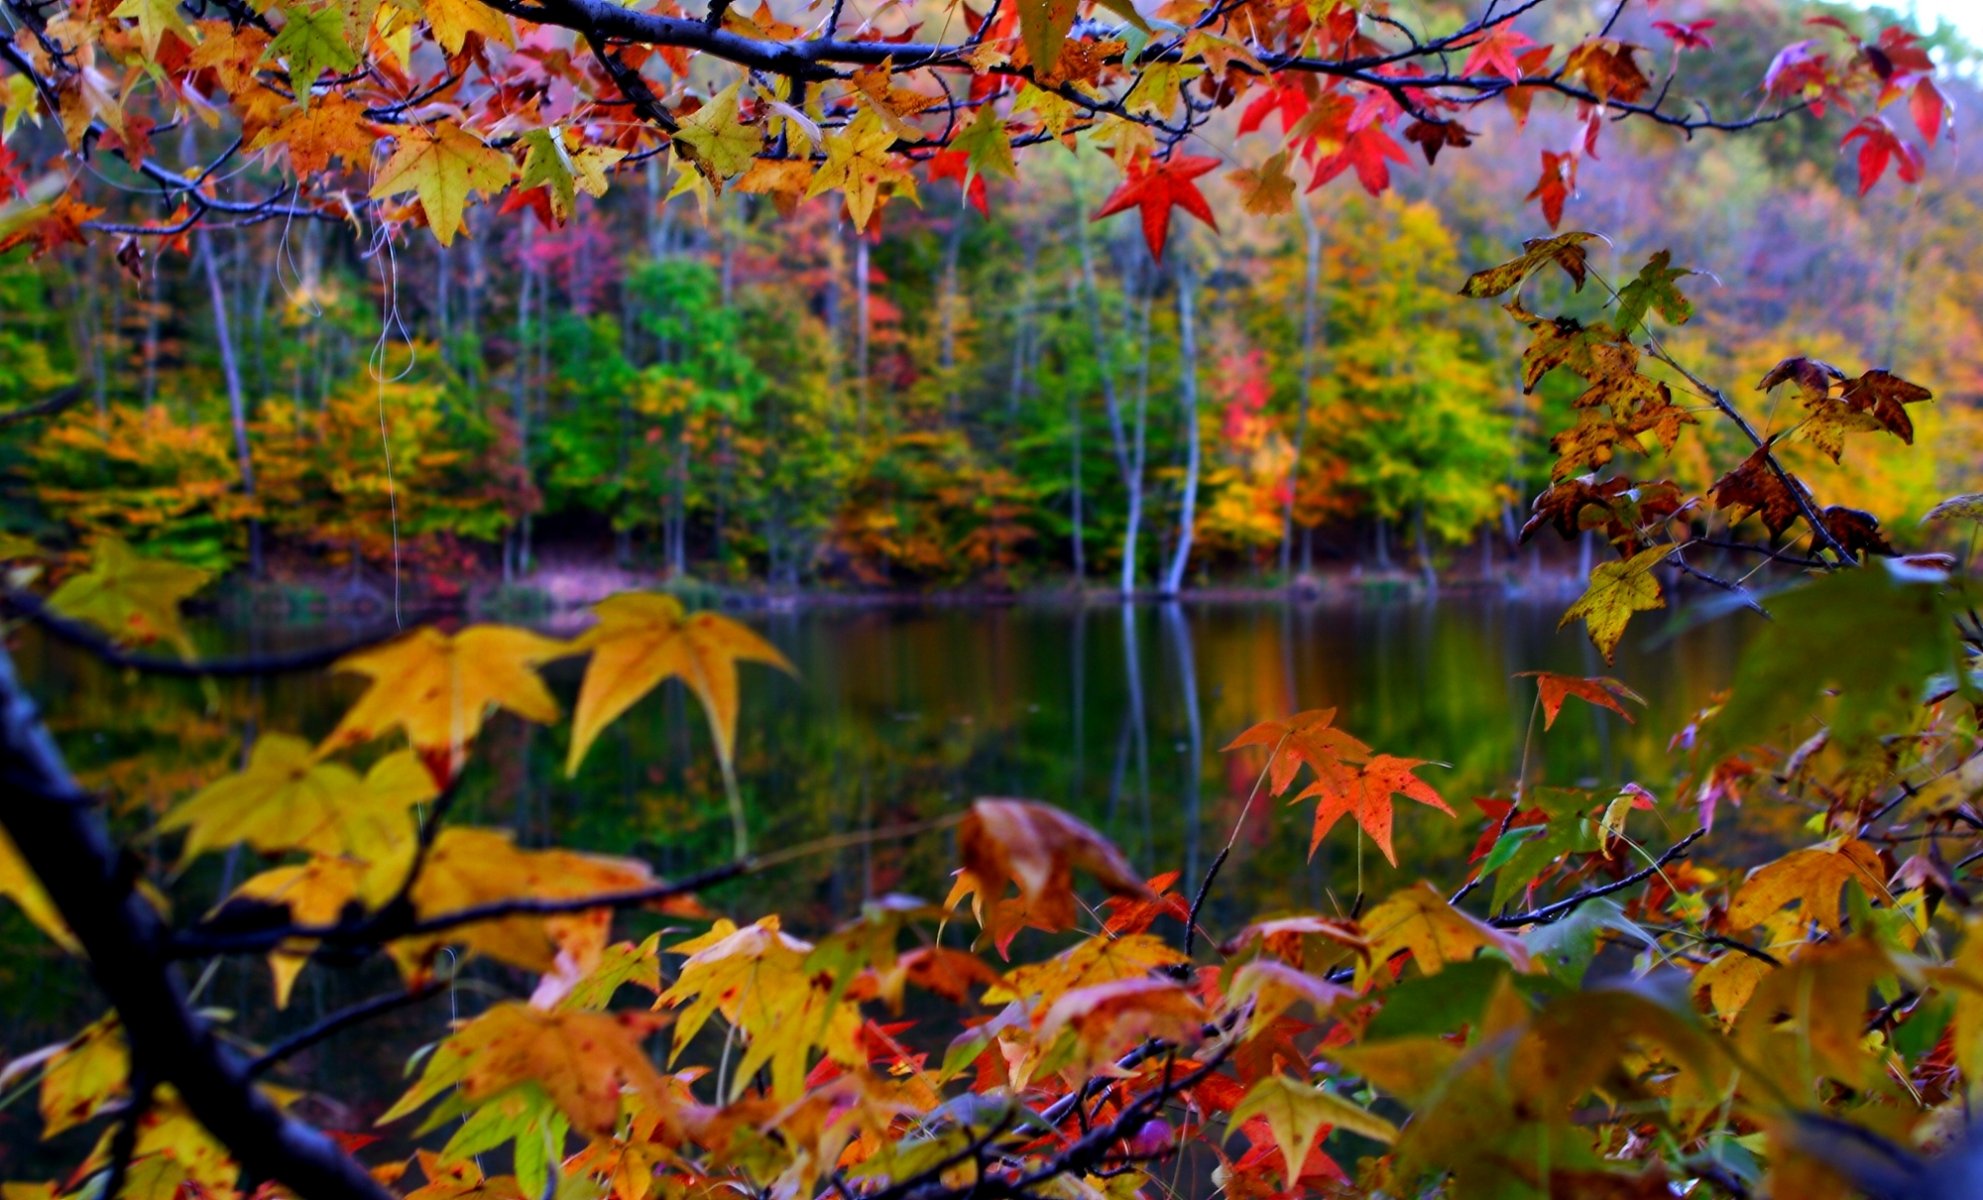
1043 27
19 883
83 1076
1813 879
561 171
312 40
1553 186
1434 136
444 165
470 867
1366 795
1308 739
1879 146
462 1180
1298 1113
1652 290
715 141
1035 848
585 1061
1419 921
1625 511
1755 486
859 163
1603 691
319 892
1967 507
131 597
1691 35
1616 591
1498 51
756 977
1368 150
1107 1019
1155 187
986 146
645 638
155 19
1566 250
453 20
1609 69
1088 963
1882 394
286 799
437 687
333 128
1266 190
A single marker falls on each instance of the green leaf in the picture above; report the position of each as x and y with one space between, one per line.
1296 1112
312 41
1653 291
1565 249
1885 630
986 146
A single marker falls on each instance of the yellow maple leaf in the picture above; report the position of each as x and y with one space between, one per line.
444 165
333 127
756 977
469 867
1296 1112
288 799
81 1077
714 141
643 639
859 163
155 19
584 1061
564 172
1813 878
129 596
19 883
1096 960
316 893
437 687
1419 920
1616 591
453 20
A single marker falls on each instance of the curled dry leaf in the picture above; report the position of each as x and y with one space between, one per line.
1036 848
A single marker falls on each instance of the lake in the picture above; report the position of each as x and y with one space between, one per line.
900 714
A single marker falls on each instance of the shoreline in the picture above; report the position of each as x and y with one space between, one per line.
554 592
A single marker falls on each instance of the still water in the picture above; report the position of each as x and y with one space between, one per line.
902 714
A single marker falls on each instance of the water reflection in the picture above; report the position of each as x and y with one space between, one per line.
902 714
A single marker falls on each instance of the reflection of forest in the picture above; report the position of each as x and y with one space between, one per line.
1115 713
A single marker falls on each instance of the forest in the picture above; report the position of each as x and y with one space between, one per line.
989 600
986 390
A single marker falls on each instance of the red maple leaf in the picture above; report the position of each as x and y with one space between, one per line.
1928 110
1690 36
1559 175
1366 149
1500 52
1881 146
956 164
1287 99
1156 188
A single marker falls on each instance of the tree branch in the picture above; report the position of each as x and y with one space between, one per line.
62 838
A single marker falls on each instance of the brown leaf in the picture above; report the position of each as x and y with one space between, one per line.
1882 394
1036 847
1813 377
1857 530
1601 690
1755 487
